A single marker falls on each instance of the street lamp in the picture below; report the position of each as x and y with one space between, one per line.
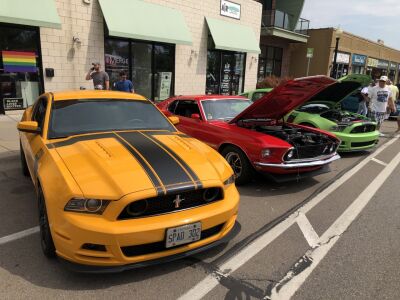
338 32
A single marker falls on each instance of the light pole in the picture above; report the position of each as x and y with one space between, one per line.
339 32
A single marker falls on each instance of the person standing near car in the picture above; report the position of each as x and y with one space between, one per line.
380 98
101 80
362 105
395 97
124 85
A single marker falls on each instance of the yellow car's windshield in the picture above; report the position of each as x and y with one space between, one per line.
71 117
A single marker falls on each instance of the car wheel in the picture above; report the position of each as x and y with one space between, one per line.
24 165
239 163
308 125
45 235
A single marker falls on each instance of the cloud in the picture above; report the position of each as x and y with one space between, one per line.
368 18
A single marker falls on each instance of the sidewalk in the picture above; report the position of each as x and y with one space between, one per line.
8 131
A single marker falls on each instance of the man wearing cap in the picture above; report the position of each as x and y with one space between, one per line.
101 80
380 98
395 96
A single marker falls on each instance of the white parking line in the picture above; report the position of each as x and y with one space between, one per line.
379 162
308 231
18 235
235 262
293 282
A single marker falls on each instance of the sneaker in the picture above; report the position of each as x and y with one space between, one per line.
382 134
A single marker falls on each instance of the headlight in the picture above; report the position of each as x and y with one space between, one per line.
266 153
229 181
290 154
89 206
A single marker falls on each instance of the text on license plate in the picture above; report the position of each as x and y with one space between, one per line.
183 235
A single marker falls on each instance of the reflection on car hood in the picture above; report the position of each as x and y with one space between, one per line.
116 164
283 99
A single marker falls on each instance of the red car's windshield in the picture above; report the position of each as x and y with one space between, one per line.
224 109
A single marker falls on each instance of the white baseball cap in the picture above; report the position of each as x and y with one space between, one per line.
383 78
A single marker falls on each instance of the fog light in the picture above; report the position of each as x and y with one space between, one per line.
94 247
290 154
266 153
137 208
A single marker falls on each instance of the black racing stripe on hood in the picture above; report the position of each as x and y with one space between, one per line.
180 160
153 178
167 168
80 138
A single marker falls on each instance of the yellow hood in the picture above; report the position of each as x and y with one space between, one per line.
111 165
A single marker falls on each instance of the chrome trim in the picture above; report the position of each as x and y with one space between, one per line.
300 163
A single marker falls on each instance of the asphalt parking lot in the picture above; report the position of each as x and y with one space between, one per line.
250 266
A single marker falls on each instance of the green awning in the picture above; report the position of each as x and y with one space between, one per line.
233 37
41 13
145 21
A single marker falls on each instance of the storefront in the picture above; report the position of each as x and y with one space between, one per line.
269 62
358 64
372 68
21 73
392 71
343 64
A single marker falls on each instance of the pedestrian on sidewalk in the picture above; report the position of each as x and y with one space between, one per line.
101 80
124 84
395 98
381 100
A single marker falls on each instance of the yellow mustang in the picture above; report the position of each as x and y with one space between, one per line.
118 186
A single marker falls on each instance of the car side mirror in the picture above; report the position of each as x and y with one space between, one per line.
29 126
174 120
195 116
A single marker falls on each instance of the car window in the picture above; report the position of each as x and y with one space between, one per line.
257 95
172 106
39 111
224 109
186 108
71 117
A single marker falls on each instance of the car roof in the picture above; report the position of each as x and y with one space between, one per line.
208 97
95 94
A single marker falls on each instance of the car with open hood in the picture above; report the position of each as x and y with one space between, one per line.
254 136
118 186
324 111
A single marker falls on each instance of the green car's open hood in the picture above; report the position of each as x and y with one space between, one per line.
338 91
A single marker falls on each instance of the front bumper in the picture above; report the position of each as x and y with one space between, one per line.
357 141
299 164
72 230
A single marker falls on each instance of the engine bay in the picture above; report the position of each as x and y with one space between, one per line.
341 117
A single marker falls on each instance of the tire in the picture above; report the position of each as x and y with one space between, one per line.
308 125
239 163
46 239
24 165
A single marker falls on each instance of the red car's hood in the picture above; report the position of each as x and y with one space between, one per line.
285 98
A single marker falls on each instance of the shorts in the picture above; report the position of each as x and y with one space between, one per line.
378 117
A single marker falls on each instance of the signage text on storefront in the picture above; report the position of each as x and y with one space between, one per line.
13 103
230 9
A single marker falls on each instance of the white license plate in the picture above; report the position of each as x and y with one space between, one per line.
183 235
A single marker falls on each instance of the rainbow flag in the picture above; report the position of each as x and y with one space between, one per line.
18 61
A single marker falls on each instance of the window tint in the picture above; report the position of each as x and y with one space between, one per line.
39 111
186 108
172 106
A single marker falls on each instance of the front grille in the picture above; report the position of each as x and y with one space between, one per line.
312 151
167 204
364 128
363 144
144 249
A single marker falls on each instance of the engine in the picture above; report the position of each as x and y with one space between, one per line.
340 117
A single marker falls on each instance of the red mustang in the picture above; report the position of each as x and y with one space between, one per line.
254 136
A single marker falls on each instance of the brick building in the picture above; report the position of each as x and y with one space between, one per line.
166 46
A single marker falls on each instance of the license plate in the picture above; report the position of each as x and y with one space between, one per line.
183 235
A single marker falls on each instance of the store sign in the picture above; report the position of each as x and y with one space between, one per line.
116 61
372 62
359 60
393 66
342 58
13 103
310 52
230 9
165 85
383 64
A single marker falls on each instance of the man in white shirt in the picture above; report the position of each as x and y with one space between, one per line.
380 97
395 97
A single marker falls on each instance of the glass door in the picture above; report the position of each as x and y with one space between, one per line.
164 63
142 75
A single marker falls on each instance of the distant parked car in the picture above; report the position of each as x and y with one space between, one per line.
256 94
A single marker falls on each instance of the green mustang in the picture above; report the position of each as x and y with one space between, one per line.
324 111
256 94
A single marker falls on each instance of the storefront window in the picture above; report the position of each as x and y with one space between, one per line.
225 72
20 65
150 66
358 69
270 62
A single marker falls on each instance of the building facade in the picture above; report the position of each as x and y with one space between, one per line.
356 55
167 47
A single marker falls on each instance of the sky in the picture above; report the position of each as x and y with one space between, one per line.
370 19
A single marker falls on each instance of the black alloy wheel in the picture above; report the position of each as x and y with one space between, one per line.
239 163
24 165
46 240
